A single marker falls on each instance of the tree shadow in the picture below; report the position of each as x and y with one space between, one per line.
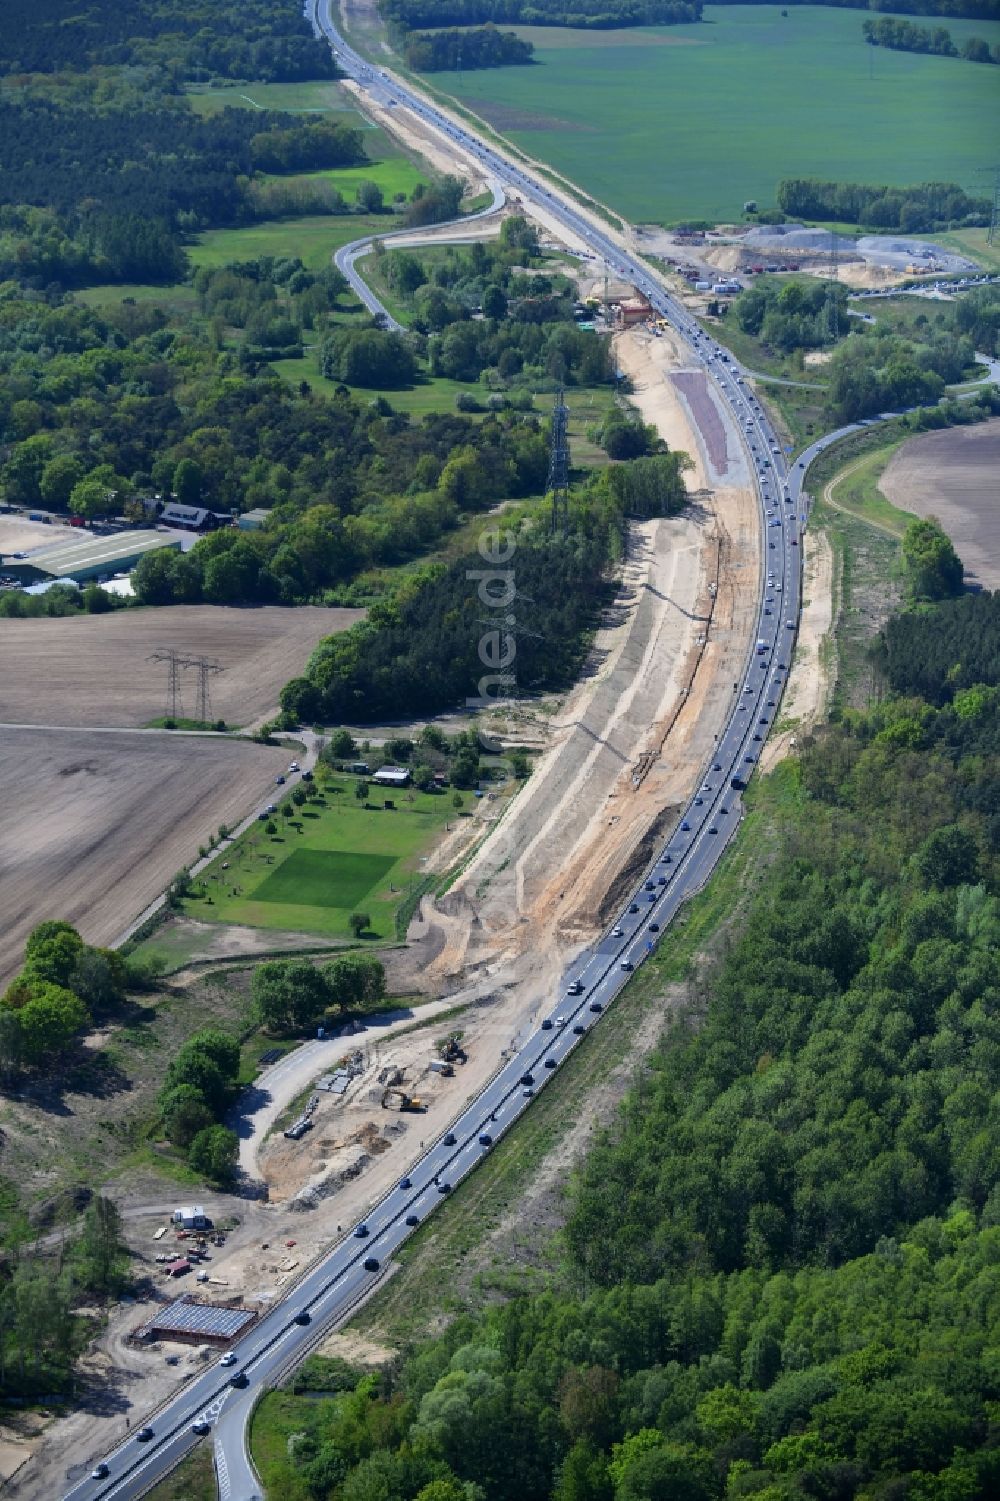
85 1072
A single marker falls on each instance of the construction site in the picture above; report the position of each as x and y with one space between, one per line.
328 1128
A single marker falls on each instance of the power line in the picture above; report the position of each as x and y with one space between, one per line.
176 661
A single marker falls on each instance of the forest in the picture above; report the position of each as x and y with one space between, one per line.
153 175
483 47
903 36
193 41
422 650
791 315
948 655
527 334
914 210
780 1267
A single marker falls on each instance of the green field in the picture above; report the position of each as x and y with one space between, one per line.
312 238
324 878
318 96
690 121
327 861
394 175
179 298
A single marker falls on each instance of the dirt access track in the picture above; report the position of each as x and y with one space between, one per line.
96 669
952 475
97 824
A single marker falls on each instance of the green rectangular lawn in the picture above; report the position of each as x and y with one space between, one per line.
666 123
324 878
326 862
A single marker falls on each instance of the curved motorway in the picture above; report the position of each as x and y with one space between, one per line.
350 1268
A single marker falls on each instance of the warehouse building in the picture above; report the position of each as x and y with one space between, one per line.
190 1322
84 560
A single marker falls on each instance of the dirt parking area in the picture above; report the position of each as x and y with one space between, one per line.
96 824
18 534
952 475
96 669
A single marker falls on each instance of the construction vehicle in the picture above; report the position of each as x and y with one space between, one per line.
398 1099
439 1066
451 1051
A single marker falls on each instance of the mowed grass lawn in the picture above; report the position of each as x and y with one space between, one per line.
667 123
329 860
394 175
314 96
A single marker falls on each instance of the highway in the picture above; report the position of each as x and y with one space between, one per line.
683 864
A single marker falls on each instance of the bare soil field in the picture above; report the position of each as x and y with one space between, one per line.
96 824
96 670
809 684
952 475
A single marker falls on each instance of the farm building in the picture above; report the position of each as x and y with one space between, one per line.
194 1323
85 559
392 776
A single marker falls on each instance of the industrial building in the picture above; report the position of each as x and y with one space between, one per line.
194 1323
86 559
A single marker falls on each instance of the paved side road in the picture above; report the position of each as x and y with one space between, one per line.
356 250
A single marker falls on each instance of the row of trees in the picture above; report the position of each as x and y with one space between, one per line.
62 983
482 47
903 36
600 15
914 210
291 995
